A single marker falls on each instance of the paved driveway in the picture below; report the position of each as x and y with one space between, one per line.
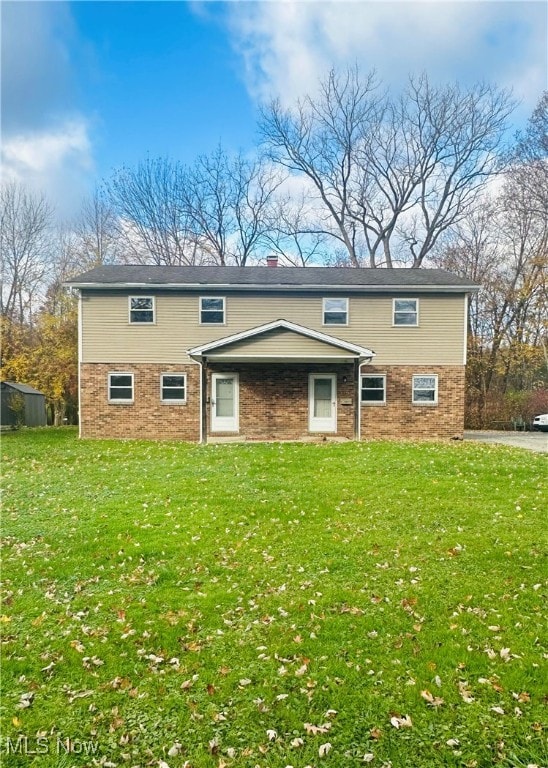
532 441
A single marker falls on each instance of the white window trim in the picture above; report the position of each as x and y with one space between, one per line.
173 401
427 403
223 299
403 325
373 376
336 298
122 400
140 322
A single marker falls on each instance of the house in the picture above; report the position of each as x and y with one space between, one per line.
21 405
195 353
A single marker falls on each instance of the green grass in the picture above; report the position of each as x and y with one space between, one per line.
163 594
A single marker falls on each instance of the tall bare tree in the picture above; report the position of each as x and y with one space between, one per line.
392 175
25 245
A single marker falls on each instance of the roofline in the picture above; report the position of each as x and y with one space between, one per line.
301 329
279 287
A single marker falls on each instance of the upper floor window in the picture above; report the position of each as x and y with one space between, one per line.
335 311
120 387
374 389
173 387
212 310
141 309
406 312
425 389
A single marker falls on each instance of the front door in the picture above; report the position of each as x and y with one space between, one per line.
224 402
322 402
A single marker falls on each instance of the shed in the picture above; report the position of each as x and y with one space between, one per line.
22 405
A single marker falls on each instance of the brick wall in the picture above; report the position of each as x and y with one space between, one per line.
147 417
273 403
400 419
274 399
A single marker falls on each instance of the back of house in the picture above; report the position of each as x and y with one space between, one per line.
196 353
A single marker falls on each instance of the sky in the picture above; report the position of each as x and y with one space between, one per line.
89 87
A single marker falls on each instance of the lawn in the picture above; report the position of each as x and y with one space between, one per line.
272 605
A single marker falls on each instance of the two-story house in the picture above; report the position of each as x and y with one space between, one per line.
193 353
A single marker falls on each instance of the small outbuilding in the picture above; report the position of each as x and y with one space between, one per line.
22 405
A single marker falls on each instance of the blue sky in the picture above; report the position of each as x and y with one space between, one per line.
90 86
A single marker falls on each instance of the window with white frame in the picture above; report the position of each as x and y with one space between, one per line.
173 387
335 311
120 387
373 389
425 389
141 309
406 312
212 310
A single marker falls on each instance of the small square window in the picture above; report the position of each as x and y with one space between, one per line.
425 390
120 387
406 312
212 310
141 309
173 387
373 390
335 311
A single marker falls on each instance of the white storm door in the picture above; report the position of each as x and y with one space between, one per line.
322 402
224 402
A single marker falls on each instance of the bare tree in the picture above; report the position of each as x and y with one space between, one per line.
152 223
229 202
25 244
97 234
392 175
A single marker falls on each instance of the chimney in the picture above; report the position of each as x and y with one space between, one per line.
272 261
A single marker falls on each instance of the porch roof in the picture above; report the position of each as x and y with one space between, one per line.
281 340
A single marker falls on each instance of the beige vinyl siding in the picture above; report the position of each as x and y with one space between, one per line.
109 337
280 342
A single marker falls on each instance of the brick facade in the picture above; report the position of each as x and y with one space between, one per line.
273 403
147 418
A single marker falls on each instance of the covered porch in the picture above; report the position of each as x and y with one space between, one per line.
280 381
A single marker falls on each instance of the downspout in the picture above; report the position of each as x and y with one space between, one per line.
358 365
204 401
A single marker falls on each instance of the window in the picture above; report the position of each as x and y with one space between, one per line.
212 310
335 311
425 390
173 387
406 312
374 390
120 387
141 309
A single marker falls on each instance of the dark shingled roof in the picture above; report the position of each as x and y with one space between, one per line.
267 277
25 389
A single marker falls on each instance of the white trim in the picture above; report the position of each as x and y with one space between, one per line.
318 335
405 325
200 299
372 376
80 358
263 287
465 347
322 425
123 400
174 401
427 403
235 426
141 322
346 311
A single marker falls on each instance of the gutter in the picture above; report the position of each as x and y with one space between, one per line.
278 288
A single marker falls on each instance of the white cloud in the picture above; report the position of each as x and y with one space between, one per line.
56 161
287 46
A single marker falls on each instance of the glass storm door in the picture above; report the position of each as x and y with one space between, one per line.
224 402
322 402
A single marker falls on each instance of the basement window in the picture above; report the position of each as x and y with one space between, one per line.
120 387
